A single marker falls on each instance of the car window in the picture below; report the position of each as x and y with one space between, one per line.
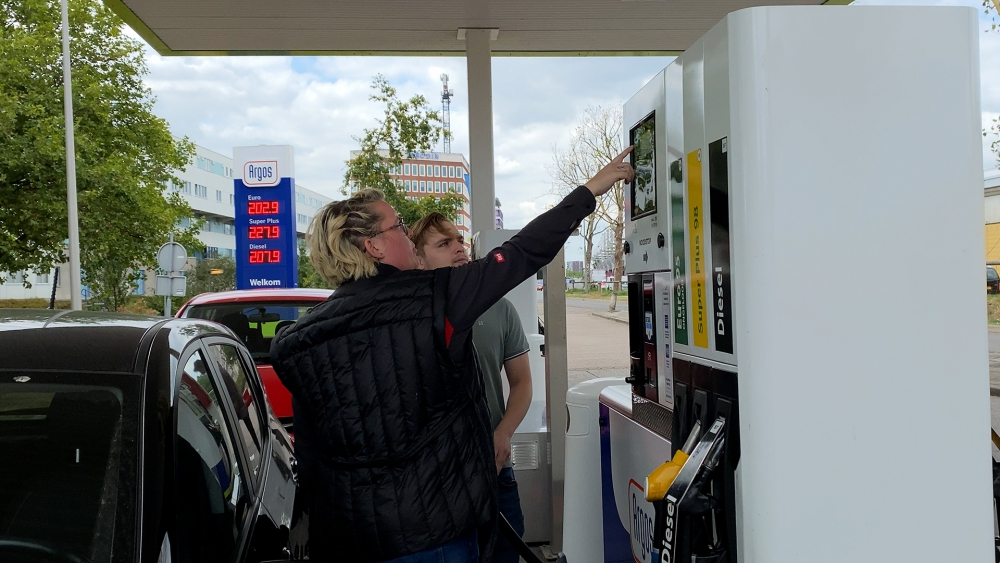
212 498
249 421
991 274
66 441
254 323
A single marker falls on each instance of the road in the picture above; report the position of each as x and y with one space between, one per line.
602 305
596 347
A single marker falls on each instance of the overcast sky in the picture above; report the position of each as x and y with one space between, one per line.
318 104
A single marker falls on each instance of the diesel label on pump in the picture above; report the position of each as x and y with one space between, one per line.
721 295
677 246
696 241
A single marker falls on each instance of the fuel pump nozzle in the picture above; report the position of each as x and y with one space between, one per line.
667 518
659 481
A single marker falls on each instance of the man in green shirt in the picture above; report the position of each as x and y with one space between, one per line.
500 344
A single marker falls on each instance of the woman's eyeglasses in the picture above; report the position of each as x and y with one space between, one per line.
399 225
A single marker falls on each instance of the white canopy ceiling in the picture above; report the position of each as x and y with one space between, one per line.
368 27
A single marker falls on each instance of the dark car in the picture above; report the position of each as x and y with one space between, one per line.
130 438
992 281
254 315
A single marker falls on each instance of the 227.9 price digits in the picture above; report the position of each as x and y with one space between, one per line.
265 256
264 231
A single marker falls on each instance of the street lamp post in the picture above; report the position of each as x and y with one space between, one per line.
74 226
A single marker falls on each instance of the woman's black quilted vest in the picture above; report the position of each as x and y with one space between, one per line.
392 435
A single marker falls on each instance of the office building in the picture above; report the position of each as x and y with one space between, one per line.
422 175
207 186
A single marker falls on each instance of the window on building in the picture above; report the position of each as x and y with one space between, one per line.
201 191
423 171
230 199
437 187
300 197
406 185
218 195
423 186
451 172
42 278
406 169
212 499
303 218
437 170
187 188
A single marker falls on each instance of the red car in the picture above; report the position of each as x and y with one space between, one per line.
254 316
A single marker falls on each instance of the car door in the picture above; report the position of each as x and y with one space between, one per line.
213 492
268 535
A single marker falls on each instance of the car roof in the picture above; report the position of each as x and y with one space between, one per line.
42 339
285 294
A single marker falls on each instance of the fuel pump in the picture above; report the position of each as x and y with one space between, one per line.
764 228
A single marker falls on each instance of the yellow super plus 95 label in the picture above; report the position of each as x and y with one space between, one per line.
696 241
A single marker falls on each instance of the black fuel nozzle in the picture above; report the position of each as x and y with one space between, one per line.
696 502
635 377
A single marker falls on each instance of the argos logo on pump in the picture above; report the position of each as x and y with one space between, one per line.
261 173
641 529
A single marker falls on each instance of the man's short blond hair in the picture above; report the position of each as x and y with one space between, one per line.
421 230
336 238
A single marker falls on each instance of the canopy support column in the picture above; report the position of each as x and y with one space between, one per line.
480 75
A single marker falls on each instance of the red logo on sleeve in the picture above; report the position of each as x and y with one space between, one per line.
499 257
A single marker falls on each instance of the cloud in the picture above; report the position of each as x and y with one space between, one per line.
504 165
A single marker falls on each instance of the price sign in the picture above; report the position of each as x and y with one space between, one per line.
266 243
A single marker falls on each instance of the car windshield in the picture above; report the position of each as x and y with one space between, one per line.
255 323
991 274
68 470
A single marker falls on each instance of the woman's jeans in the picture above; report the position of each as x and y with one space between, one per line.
510 506
462 550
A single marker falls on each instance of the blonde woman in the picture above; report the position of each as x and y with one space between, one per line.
393 435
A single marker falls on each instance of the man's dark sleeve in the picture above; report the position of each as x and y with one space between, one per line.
476 286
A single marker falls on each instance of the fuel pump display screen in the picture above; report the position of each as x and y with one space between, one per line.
642 138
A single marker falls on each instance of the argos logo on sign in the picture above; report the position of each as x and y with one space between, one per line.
261 173
641 529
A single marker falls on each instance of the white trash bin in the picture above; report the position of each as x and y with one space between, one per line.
583 531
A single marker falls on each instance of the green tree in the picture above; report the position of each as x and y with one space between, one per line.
406 127
125 155
992 7
308 276
212 275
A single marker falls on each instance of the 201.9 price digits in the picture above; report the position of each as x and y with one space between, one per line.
265 256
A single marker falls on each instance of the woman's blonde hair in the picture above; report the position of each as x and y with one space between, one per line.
336 237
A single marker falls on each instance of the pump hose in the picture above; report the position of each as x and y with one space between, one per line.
522 549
